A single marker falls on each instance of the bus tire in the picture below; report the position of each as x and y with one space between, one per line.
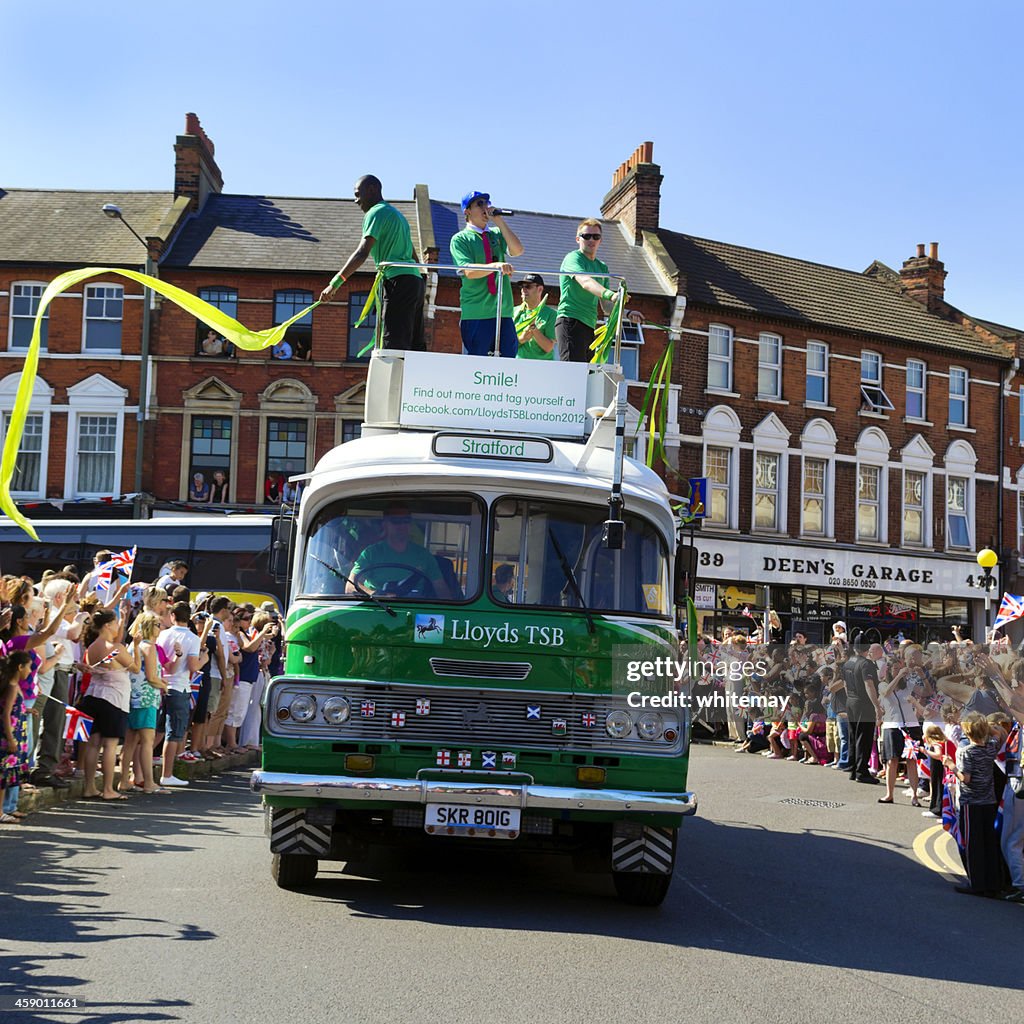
293 870
640 889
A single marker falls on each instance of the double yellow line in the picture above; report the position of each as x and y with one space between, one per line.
937 851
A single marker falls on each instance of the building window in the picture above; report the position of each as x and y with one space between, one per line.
209 463
28 466
360 337
1020 419
873 398
104 309
957 397
350 430
717 472
24 305
1020 522
97 450
817 373
913 507
769 366
915 389
958 530
286 456
719 358
629 351
766 491
298 340
812 515
868 502
208 341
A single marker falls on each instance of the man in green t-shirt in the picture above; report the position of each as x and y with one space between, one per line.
580 295
387 238
536 341
483 254
396 558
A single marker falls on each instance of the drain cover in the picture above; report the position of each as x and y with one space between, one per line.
799 801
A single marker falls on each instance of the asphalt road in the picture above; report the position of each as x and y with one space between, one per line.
163 909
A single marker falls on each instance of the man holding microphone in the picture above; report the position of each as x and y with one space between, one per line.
483 253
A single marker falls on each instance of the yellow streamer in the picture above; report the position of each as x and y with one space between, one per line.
238 334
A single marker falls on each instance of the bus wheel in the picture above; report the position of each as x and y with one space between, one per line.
639 889
293 870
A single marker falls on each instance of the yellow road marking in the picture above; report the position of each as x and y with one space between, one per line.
942 858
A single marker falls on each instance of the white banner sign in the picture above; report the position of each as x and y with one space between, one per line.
887 572
527 396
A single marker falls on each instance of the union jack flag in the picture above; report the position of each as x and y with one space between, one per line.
1010 748
465 758
950 816
588 719
999 815
1011 607
398 719
758 728
911 748
367 709
195 684
444 758
77 725
119 565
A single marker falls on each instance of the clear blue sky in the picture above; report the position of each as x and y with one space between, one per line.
835 132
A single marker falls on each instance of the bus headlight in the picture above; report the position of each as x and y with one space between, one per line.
649 726
336 711
618 725
303 708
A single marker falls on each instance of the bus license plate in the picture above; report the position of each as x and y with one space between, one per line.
477 822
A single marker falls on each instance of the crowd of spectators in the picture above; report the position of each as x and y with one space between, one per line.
99 675
945 718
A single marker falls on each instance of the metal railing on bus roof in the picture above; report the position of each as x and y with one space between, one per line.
496 351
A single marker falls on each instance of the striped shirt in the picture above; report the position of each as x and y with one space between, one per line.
977 762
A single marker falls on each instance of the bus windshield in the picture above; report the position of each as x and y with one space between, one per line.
427 549
549 554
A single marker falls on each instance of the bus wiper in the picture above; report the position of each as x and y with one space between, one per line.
361 591
570 577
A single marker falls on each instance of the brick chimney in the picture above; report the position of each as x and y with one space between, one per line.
923 278
635 196
196 173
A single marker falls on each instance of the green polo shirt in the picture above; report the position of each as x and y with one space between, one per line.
395 565
546 322
392 239
475 298
576 302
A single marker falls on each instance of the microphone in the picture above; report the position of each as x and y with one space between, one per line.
502 213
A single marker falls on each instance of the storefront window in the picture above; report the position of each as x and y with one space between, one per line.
956 613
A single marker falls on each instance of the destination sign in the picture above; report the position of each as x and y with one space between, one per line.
493 446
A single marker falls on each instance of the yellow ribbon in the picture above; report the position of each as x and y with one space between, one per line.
238 334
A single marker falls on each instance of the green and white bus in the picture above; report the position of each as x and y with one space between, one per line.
459 595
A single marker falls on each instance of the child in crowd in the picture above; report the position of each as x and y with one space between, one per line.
14 753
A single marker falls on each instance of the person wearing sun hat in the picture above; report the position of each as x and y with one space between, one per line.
483 253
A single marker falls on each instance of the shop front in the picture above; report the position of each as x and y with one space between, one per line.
880 593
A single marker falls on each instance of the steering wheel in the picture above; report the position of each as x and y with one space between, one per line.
399 587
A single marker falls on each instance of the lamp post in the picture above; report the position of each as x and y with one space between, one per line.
987 559
114 212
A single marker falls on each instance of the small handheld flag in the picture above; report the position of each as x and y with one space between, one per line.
1011 607
77 725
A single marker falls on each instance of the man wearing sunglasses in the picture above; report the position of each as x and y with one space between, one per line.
577 307
483 254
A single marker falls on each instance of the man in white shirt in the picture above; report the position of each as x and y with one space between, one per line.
184 653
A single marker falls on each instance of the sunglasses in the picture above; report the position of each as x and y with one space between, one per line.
478 202
591 238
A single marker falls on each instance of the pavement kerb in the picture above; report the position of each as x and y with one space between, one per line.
45 797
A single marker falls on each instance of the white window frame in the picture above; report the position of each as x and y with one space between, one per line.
913 389
721 429
94 396
42 396
86 319
771 438
633 343
876 502
960 463
917 457
713 486
921 508
773 492
805 494
871 391
818 441
726 360
961 398
873 450
768 366
41 285
1020 418
822 373
1020 511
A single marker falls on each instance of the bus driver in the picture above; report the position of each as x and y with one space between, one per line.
396 563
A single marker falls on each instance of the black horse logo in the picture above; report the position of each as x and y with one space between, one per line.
430 626
479 714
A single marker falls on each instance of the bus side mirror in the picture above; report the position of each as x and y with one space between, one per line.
281 537
686 572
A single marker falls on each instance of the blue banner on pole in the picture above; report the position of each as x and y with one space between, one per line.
698 497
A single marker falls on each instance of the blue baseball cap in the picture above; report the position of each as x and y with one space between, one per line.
469 197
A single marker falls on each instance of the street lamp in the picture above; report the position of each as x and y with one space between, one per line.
114 212
987 559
